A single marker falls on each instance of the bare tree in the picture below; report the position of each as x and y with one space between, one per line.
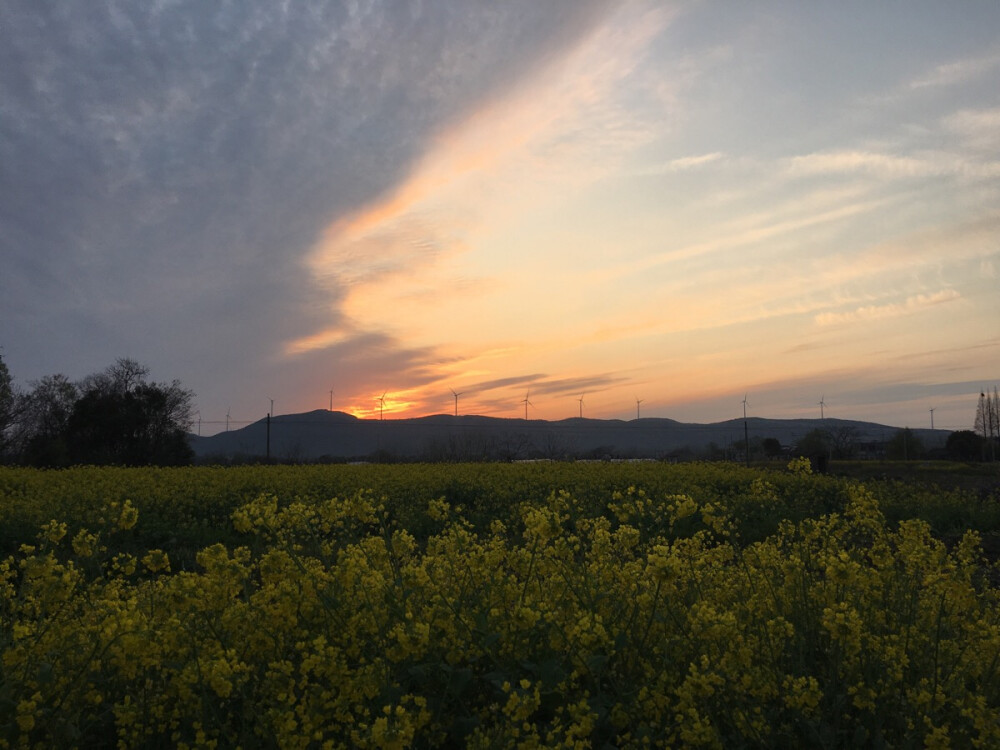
845 441
121 378
43 414
987 423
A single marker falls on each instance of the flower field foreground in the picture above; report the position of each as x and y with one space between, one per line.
652 614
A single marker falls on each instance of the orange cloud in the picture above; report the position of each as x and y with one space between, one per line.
430 237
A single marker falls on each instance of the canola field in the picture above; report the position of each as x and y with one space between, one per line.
494 606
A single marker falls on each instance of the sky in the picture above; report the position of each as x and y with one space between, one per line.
607 208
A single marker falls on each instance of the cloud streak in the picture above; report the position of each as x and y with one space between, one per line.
892 167
909 306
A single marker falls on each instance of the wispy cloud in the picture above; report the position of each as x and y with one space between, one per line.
684 163
911 305
889 166
979 128
755 228
575 386
958 71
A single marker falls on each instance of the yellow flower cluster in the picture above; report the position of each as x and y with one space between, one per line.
649 620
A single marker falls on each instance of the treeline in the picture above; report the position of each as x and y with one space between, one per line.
113 417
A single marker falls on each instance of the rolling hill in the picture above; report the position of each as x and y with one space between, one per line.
332 435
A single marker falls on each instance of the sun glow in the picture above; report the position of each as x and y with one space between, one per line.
395 403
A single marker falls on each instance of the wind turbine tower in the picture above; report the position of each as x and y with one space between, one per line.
822 404
381 405
581 404
637 402
526 403
456 395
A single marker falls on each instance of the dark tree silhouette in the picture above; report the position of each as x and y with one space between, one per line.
113 417
120 418
772 447
965 445
6 408
40 435
814 443
987 421
815 446
845 442
904 445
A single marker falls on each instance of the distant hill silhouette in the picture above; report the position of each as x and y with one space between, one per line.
330 435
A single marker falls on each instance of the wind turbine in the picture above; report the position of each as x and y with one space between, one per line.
331 399
228 408
581 404
637 402
526 403
456 395
932 419
381 405
822 403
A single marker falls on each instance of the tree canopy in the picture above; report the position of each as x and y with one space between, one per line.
116 416
965 445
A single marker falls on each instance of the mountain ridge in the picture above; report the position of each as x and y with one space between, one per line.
327 435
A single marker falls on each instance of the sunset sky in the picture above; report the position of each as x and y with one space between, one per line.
680 203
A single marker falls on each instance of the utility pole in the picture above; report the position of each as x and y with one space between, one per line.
746 435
